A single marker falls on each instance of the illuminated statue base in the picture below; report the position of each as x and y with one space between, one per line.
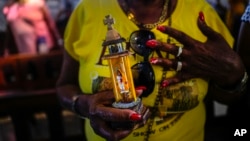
136 106
123 105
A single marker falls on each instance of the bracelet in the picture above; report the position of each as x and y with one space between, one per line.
74 108
239 88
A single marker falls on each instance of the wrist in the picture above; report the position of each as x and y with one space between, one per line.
236 88
75 106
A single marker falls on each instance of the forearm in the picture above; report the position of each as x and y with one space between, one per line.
229 94
243 44
67 85
246 61
66 93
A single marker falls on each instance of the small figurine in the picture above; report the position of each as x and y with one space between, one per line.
120 69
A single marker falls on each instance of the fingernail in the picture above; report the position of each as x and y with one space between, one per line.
161 28
164 83
151 43
201 16
153 60
140 88
135 117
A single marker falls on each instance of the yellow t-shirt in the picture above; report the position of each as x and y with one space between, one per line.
183 102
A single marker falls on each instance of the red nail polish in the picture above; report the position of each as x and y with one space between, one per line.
140 88
151 43
153 60
201 16
161 28
135 117
164 83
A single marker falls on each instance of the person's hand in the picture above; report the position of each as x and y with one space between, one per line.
212 60
98 108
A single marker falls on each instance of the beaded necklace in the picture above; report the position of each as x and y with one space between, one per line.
159 96
154 109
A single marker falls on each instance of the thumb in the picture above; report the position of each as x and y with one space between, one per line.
205 29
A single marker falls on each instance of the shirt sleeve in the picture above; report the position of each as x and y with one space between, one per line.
73 30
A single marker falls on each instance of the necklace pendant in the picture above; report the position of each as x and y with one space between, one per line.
148 26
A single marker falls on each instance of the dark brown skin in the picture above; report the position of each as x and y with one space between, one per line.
96 107
147 11
204 61
243 47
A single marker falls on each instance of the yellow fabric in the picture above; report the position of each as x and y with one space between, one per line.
85 34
